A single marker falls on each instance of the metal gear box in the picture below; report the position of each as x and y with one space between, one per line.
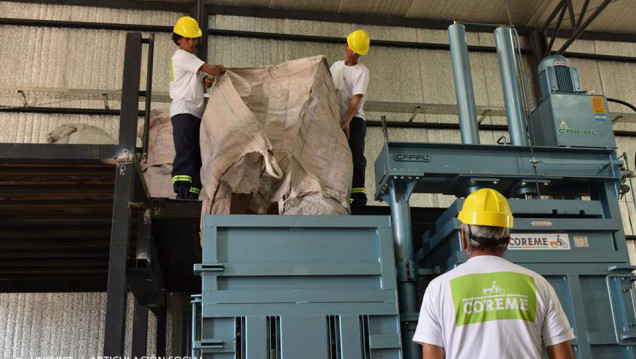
572 120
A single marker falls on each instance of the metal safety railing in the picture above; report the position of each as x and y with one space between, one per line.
151 48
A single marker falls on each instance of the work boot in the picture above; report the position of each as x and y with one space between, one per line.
191 196
183 192
358 199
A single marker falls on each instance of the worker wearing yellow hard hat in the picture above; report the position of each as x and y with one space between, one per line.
190 77
187 27
474 309
359 41
486 207
351 79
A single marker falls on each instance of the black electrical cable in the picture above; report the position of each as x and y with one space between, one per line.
622 103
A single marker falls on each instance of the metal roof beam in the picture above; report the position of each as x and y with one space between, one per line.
579 29
118 4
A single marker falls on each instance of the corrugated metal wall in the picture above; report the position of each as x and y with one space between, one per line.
63 59
72 324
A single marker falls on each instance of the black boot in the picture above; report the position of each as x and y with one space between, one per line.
358 199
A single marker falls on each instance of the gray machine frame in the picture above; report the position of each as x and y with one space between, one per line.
548 187
297 286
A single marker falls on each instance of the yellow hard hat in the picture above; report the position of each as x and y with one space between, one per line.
486 207
187 27
358 42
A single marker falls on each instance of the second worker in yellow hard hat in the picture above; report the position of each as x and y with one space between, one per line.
351 79
490 307
190 77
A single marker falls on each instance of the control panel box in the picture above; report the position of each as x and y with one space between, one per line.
572 120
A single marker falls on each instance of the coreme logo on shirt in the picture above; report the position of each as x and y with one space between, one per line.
493 296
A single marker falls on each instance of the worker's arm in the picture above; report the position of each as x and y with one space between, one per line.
351 111
560 351
430 351
213 70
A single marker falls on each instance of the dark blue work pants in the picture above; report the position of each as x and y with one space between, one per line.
186 177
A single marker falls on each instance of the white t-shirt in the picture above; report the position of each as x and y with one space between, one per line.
186 84
350 81
489 307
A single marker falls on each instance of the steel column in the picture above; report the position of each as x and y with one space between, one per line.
398 199
202 14
144 236
463 84
186 329
195 301
124 188
578 308
140 330
148 97
538 47
145 279
162 328
511 86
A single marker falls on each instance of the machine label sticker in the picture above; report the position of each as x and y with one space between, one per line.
598 105
485 297
578 131
581 241
539 241
541 224
565 129
411 157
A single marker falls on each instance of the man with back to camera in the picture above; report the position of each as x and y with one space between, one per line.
489 307
351 79
190 77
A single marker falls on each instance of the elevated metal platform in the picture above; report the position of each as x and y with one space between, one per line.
59 232
76 218
55 222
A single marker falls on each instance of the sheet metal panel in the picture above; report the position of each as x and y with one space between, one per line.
304 286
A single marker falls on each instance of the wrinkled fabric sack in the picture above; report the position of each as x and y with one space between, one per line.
274 133
157 170
159 181
161 144
76 134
